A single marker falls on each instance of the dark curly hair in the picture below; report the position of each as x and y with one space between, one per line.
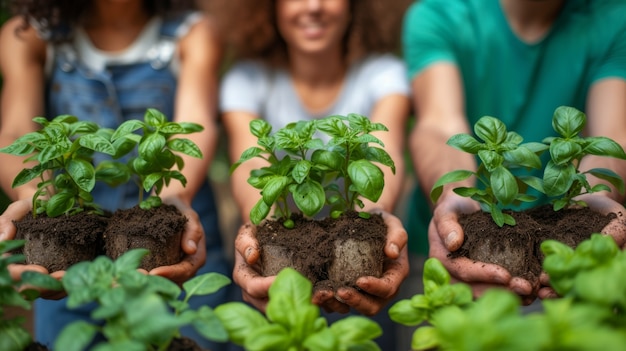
250 28
57 16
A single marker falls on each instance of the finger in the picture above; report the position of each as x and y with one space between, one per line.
16 270
246 244
522 287
544 279
178 273
193 233
397 237
364 303
15 211
388 285
547 293
467 270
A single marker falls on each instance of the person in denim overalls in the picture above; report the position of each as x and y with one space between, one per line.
122 89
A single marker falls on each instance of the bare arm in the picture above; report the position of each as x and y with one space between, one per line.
22 58
196 101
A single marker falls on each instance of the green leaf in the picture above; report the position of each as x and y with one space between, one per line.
609 176
466 143
18 149
333 126
379 155
331 160
209 325
28 174
126 128
301 171
205 284
40 280
185 146
154 117
367 178
523 157
309 197
557 179
490 159
491 130
450 177
239 320
151 145
83 174
603 146
274 188
568 121
60 203
323 340
260 128
425 338
97 143
76 336
130 260
268 338
503 185
259 212
564 151
404 313
355 329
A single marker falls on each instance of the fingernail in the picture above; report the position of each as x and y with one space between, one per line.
248 252
192 244
3 236
451 238
395 249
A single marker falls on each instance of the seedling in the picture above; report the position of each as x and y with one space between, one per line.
158 159
591 313
13 335
63 150
292 322
304 168
502 151
499 151
136 311
562 177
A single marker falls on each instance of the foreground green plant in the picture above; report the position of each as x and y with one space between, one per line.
139 311
13 335
293 323
590 315
158 160
63 150
502 151
304 168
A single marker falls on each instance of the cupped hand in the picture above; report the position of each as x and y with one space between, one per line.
193 245
445 235
15 212
373 293
602 203
254 286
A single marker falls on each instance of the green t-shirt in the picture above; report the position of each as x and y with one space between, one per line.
521 84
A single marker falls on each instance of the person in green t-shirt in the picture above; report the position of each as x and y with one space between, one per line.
517 60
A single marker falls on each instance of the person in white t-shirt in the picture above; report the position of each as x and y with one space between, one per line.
303 60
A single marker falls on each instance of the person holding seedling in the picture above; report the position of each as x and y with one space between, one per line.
517 60
305 60
108 62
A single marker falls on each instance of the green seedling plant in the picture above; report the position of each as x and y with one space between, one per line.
293 323
589 315
304 168
499 152
562 178
13 335
136 311
63 150
158 160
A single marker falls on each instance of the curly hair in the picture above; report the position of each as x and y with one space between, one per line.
59 15
250 27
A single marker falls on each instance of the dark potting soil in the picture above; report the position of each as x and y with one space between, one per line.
311 247
184 344
158 229
59 242
517 248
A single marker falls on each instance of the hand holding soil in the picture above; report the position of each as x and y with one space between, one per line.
445 235
193 246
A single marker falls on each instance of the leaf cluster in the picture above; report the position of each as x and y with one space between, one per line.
330 161
13 335
135 311
590 316
158 159
293 323
63 152
500 152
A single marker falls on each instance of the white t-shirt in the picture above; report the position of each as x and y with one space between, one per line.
269 93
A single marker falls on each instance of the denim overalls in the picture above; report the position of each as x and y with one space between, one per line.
108 98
